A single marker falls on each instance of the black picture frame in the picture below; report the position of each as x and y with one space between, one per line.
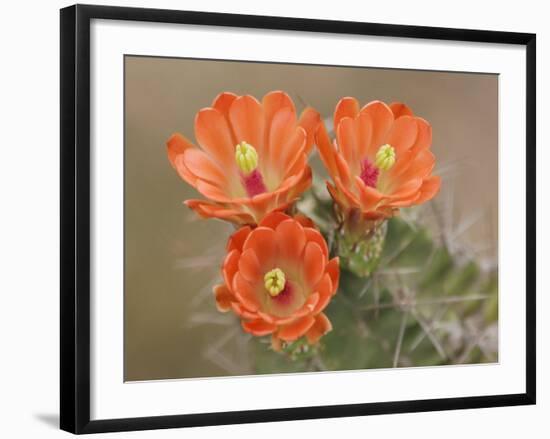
75 217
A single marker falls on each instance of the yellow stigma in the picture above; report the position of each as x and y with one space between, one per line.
246 157
385 157
274 281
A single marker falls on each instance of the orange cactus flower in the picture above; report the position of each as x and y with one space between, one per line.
278 279
380 160
252 157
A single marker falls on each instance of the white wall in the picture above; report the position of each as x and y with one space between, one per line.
29 203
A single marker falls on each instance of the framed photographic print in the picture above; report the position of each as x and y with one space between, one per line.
267 218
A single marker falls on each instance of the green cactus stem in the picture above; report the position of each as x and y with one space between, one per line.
359 243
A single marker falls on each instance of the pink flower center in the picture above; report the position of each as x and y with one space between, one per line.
285 296
254 183
369 173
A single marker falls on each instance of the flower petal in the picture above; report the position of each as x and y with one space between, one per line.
348 145
212 191
176 145
259 327
283 127
333 270
296 164
324 289
259 203
263 241
242 312
344 171
351 198
273 220
183 172
247 120
305 221
406 190
346 107
236 240
326 150
267 317
423 137
300 185
321 327
314 263
313 235
309 120
422 143
272 103
249 266
222 102
296 329
400 109
430 188
309 305
407 201
230 266
337 196
214 136
363 126
420 166
382 120
402 134
200 165
369 196
291 239
292 157
224 297
244 291
208 209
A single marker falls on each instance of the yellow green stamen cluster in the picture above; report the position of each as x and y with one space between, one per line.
246 157
274 281
385 157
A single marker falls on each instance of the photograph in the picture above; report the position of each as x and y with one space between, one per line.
270 220
297 218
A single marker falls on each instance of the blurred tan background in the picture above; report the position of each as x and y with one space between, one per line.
172 259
